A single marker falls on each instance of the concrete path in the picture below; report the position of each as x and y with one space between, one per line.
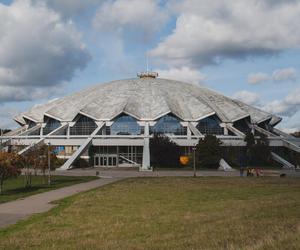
119 173
13 211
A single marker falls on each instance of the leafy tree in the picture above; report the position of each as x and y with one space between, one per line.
250 140
9 167
296 134
258 150
208 152
164 152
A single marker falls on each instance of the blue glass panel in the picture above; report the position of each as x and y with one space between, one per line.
125 125
168 125
210 126
83 126
51 125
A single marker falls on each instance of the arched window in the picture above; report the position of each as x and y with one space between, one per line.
168 124
210 126
125 125
51 125
83 126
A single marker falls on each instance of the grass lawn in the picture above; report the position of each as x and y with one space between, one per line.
14 187
169 213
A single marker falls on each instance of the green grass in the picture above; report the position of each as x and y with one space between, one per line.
14 187
169 213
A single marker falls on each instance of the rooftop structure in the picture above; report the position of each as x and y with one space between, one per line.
118 118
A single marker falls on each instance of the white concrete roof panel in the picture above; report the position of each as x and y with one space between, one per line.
146 99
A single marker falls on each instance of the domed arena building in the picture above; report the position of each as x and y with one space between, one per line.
117 119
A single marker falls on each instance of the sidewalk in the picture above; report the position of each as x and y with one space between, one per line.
13 211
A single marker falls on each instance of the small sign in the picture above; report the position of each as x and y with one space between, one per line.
184 160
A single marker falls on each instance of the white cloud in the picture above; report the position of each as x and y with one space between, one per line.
278 75
6 114
184 74
143 16
27 93
208 31
37 50
289 106
248 97
71 7
256 78
281 75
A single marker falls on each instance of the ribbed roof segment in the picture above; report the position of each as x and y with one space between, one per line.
146 99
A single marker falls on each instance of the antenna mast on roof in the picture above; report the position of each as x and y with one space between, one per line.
147 74
147 61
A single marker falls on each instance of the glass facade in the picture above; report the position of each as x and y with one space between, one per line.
83 126
35 132
210 126
121 156
125 125
242 126
51 125
168 124
30 123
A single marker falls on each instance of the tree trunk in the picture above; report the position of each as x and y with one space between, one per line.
1 184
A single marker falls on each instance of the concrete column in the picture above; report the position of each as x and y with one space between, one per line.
42 129
68 131
146 150
225 130
189 133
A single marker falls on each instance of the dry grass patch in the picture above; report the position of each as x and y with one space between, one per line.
169 213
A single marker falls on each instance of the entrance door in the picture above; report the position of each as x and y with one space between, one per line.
96 161
106 160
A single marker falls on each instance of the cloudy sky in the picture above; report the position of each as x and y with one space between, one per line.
247 49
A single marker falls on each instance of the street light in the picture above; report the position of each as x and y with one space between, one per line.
49 164
1 134
194 154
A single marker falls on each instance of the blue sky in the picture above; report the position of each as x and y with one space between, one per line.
247 50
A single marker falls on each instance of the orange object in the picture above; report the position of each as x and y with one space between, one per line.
184 160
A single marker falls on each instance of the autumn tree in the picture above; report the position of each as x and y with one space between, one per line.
37 159
9 167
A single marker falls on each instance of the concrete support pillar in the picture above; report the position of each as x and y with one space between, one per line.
225 130
42 129
189 133
146 150
68 131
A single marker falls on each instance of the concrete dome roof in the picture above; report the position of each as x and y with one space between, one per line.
146 99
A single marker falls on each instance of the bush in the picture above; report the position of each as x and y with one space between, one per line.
164 152
81 163
57 163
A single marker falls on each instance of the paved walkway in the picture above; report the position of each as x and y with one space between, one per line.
120 173
13 211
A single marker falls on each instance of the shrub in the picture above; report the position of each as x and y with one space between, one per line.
81 163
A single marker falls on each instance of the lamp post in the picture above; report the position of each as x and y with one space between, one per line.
1 134
194 163
49 165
